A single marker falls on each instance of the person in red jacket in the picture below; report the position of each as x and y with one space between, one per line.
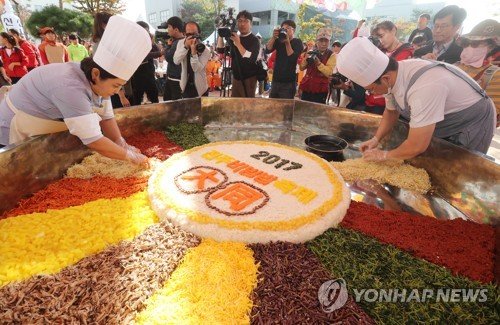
50 50
13 58
30 49
386 32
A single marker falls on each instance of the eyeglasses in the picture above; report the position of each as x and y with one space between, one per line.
443 26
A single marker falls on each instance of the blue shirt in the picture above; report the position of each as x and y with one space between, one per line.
54 91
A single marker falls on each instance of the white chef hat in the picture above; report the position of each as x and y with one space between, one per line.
123 47
361 61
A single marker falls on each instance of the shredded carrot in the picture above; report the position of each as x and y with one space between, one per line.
154 144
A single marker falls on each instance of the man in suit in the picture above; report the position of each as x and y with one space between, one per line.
447 22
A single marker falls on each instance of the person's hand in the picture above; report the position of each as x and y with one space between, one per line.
375 155
6 77
189 41
344 86
317 61
368 145
429 56
170 41
125 102
276 33
12 65
235 38
136 157
122 143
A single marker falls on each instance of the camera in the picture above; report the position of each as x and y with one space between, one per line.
312 56
200 47
338 79
375 40
226 24
282 34
162 34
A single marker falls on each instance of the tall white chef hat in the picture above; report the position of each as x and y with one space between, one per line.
361 61
123 47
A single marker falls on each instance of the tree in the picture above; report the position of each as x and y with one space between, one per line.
309 24
204 12
94 6
63 20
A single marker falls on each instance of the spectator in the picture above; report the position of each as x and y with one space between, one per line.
288 49
308 46
77 52
4 78
480 46
213 76
336 46
418 42
13 58
193 56
50 50
245 51
100 21
319 67
447 22
175 28
30 50
422 29
143 80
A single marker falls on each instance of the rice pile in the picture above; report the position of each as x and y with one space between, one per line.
107 288
393 172
98 165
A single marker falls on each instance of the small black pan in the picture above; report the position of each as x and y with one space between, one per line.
328 147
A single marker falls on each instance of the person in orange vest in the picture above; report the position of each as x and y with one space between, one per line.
50 50
213 77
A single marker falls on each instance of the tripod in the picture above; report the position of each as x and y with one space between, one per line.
227 69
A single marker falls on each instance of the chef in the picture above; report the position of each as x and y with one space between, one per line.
436 98
75 96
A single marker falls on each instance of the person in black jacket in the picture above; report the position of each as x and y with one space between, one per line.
244 53
172 89
143 80
447 22
422 29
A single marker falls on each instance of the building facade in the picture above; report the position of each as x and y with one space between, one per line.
269 14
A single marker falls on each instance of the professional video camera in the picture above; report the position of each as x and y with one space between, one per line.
226 24
338 79
159 34
312 56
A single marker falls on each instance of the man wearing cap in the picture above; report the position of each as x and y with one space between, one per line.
77 52
314 85
447 23
50 50
75 96
436 98
288 49
481 46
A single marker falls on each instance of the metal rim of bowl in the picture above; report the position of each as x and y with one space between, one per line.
344 143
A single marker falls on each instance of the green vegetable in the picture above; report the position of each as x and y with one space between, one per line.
187 135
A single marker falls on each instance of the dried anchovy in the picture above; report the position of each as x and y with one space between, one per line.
290 276
107 288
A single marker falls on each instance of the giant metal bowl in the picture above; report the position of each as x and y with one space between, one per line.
465 184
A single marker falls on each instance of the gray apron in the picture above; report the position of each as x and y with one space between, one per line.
472 127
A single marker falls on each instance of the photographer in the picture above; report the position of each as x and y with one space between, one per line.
193 57
288 50
319 64
175 28
244 53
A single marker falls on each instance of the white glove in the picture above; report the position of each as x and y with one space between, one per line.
136 157
368 145
375 155
122 143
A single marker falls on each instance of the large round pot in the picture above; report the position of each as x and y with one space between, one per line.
328 147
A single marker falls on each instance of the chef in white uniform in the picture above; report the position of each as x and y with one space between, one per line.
437 99
75 96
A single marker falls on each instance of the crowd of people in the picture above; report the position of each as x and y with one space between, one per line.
375 72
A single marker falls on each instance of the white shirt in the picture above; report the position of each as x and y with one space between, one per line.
198 63
436 93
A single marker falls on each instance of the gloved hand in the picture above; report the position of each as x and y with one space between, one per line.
122 143
136 157
368 145
375 155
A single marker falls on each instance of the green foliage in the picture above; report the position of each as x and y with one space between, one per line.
308 23
94 6
63 20
365 263
204 12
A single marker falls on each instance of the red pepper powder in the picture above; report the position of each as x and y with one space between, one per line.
154 144
464 247
69 192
